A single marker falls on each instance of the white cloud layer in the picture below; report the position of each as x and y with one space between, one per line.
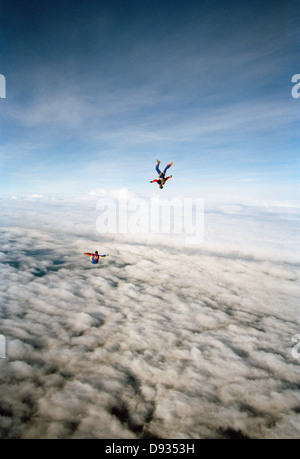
160 339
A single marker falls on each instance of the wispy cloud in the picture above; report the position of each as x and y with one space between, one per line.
191 86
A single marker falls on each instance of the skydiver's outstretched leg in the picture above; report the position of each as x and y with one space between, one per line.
157 167
167 167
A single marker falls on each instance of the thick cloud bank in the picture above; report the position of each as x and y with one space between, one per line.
157 341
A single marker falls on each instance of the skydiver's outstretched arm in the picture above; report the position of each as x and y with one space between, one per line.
167 178
92 254
152 181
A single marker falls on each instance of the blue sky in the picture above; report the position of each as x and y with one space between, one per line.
97 90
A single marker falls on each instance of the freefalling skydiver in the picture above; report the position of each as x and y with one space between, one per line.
94 257
161 175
